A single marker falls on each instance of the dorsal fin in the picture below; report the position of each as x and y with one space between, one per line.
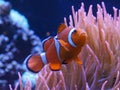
61 27
47 42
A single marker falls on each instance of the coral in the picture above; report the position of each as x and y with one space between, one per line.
101 56
16 41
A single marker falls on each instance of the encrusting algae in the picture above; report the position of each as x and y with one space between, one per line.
100 56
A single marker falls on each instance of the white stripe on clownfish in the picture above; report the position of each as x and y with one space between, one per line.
43 56
46 40
70 38
26 61
57 46
56 37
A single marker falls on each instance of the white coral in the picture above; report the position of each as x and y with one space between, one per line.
18 19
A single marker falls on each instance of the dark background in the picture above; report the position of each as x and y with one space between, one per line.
46 15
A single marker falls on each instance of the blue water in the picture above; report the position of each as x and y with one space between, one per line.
45 15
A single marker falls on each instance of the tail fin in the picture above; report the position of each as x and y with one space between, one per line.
34 63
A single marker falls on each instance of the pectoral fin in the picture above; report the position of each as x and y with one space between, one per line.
77 60
64 44
55 66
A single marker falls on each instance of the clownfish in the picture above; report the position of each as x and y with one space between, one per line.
72 40
58 50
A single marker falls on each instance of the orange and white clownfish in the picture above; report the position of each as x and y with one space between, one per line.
58 50
72 40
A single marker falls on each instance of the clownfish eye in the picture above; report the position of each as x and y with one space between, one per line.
75 31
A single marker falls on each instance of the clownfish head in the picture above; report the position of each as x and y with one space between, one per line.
77 37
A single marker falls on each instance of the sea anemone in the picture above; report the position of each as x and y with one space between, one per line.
101 56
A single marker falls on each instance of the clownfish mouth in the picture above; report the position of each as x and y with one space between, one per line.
83 34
